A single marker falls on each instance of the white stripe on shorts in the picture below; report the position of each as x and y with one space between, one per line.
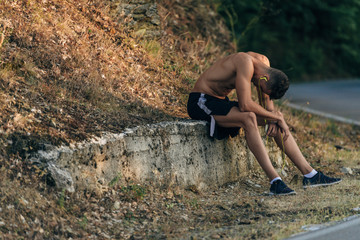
212 126
201 104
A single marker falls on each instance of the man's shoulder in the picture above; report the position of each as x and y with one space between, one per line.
241 60
259 57
240 56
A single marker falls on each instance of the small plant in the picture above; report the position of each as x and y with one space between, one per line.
170 205
134 192
61 200
129 216
332 127
83 222
193 203
115 180
153 48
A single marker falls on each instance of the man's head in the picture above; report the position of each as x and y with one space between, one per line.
277 83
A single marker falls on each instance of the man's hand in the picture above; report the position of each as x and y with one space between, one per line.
284 128
272 130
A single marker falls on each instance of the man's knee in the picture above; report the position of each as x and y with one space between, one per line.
250 120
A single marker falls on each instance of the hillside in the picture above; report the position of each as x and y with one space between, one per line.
74 69
70 70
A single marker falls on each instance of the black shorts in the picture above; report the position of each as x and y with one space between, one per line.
202 107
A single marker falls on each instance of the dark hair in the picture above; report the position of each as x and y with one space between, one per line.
278 83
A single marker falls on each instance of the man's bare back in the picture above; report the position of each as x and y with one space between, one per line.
221 78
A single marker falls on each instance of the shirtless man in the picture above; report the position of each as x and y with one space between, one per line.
208 101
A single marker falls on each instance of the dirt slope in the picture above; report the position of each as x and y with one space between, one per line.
71 69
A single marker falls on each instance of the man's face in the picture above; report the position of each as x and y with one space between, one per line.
260 83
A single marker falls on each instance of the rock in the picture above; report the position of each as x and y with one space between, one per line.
117 205
215 236
184 217
140 32
141 15
252 184
142 208
141 9
118 221
104 235
356 209
284 173
69 230
346 170
137 16
53 123
156 21
62 178
2 223
22 219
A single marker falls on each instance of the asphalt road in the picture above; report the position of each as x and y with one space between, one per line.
347 230
339 100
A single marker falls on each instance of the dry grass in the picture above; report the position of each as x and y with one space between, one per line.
245 213
74 67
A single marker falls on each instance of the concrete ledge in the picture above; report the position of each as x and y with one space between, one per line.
171 153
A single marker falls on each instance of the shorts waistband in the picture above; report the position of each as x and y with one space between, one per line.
198 94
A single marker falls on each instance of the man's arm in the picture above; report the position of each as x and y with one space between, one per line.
269 104
265 101
244 72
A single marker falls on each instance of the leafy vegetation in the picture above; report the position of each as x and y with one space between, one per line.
309 40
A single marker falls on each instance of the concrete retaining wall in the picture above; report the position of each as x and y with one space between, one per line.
171 153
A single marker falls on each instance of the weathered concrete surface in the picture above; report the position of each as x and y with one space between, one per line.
169 153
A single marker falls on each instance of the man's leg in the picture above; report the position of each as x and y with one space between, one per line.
292 150
248 121
312 178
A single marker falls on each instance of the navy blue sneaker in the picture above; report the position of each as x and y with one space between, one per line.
279 188
320 180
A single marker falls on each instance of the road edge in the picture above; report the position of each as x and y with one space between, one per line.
323 114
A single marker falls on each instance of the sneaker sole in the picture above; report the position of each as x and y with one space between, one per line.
321 185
